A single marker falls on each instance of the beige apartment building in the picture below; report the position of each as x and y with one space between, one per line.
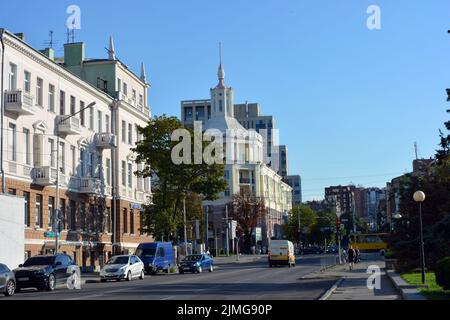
45 101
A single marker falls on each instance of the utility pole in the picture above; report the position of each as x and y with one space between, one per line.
56 209
227 231
185 230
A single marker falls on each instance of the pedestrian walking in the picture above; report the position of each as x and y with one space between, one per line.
357 255
351 257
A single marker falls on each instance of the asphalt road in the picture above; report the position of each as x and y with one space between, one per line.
243 281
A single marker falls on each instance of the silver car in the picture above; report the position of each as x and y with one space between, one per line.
7 281
126 267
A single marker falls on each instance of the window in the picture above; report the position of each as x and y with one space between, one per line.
108 171
82 216
72 221
82 118
73 107
130 134
27 82
62 103
82 163
91 118
125 220
39 217
51 143
124 132
99 121
125 89
62 159
12 142
12 77
108 220
220 105
130 175
132 221
51 98
51 206
134 95
27 150
63 222
26 196
39 92
187 113
124 173
91 168
107 120
119 85
74 159
141 100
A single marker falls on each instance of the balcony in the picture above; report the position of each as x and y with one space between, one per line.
44 176
105 140
68 126
19 102
245 181
90 185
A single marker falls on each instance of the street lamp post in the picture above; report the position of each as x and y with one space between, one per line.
419 197
56 218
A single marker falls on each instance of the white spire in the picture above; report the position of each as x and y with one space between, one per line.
111 50
221 71
143 73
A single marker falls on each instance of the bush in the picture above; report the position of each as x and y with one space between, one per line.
443 273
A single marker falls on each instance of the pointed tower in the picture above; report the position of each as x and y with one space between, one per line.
222 97
111 50
143 73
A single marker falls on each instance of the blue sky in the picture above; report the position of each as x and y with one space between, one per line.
349 102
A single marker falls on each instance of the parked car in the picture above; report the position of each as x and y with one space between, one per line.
7 281
312 250
45 272
156 256
332 249
123 267
196 263
281 252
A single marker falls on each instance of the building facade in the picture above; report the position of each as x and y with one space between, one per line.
247 171
296 183
54 131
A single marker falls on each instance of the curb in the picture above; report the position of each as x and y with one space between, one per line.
330 291
407 291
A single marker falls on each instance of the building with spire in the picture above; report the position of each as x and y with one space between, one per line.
100 199
245 170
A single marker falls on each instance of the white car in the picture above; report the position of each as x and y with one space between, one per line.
123 267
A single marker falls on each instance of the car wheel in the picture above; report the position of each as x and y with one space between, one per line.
51 283
199 270
211 268
129 278
10 288
142 275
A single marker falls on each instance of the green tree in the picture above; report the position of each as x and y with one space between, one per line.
308 218
171 182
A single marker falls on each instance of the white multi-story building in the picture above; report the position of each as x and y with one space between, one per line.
45 101
245 169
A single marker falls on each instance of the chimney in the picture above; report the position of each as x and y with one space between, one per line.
20 35
73 54
50 53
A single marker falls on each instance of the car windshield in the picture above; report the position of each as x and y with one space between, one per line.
145 252
193 258
39 261
118 260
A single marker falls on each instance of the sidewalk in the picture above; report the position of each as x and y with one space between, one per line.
353 283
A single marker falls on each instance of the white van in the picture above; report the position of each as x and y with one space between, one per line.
281 252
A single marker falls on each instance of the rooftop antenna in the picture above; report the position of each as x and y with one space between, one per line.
50 43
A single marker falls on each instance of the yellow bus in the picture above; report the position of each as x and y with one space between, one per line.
369 242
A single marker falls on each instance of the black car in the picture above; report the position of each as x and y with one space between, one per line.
45 272
312 250
7 281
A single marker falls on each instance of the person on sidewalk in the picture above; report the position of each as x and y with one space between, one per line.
357 255
351 257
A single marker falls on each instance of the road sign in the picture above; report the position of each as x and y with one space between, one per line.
233 229
51 234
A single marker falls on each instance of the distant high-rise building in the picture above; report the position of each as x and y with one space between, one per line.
283 162
296 183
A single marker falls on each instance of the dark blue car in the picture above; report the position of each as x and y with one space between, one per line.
196 263
156 256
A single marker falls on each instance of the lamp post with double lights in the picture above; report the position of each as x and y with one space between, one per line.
57 211
419 197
